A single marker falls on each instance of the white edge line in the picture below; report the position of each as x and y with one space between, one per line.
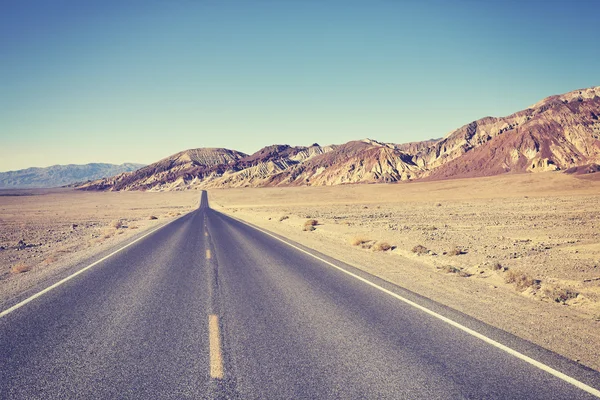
463 328
68 278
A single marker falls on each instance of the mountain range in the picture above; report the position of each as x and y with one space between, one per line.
61 175
559 133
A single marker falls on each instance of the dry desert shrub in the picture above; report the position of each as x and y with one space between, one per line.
51 259
420 249
19 268
152 217
362 241
283 218
359 240
450 269
117 223
558 294
456 252
108 232
382 246
309 225
496 266
521 279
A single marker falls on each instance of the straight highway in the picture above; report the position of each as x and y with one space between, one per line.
211 307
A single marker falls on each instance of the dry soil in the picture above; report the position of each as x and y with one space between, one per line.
45 232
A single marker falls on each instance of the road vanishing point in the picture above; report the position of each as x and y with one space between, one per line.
210 307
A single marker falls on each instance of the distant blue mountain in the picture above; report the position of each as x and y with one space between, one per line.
61 175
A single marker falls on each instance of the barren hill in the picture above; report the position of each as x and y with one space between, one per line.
363 161
173 172
558 133
60 175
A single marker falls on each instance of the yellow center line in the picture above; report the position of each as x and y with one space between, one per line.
214 339
208 254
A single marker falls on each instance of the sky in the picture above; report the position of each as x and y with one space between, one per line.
136 81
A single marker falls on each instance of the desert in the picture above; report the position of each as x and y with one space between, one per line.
45 233
520 252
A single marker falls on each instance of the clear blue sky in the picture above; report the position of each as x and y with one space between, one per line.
115 81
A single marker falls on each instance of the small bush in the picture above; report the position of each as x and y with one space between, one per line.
311 222
559 295
363 242
152 217
283 218
51 259
20 268
420 250
117 223
497 267
108 232
359 241
382 246
309 225
521 279
449 269
456 252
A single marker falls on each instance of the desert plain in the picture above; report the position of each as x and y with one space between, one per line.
47 233
520 252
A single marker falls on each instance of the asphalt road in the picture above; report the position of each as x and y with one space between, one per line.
209 307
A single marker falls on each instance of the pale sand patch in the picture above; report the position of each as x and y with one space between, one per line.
544 225
50 231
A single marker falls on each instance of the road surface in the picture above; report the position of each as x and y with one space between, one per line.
210 307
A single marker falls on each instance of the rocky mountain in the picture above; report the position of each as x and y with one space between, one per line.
261 168
176 172
61 175
363 161
211 167
558 133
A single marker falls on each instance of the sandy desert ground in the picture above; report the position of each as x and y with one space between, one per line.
520 252
45 232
